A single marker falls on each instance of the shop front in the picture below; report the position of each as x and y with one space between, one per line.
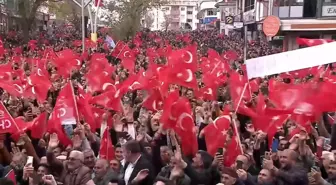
296 21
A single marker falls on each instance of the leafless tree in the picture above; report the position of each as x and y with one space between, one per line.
167 21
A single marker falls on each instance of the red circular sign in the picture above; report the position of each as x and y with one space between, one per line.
271 25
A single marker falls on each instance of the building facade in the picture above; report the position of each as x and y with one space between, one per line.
305 18
228 15
176 15
314 19
10 17
208 14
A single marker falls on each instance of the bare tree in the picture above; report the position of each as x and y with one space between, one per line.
129 14
28 10
66 10
149 20
167 21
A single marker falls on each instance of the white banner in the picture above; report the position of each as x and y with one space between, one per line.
291 60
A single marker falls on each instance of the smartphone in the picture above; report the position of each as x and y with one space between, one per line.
326 143
275 145
30 160
267 155
239 165
220 151
316 168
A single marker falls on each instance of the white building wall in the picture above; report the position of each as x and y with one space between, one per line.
187 11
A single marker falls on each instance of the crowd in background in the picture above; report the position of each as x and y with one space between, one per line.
138 148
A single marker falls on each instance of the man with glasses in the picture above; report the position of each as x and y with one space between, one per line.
75 172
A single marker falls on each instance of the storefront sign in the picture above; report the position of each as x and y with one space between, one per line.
249 16
208 20
271 26
328 11
238 24
229 20
227 4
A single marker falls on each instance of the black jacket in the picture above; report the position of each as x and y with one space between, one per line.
141 164
295 175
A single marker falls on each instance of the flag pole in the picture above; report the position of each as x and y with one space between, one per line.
234 120
96 17
74 97
82 5
91 18
244 30
83 27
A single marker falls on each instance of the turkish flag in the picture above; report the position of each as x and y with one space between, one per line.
85 109
186 57
106 150
312 42
7 123
215 133
232 151
39 86
39 126
11 176
154 101
64 113
65 108
98 3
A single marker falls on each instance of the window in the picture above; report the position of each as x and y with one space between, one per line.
294 9
175 8
165 8
290 2
182 9
210 12
189 12
249 5
189 20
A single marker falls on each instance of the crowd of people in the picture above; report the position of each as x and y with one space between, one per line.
165 108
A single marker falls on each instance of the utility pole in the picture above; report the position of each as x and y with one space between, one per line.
244 28
82 5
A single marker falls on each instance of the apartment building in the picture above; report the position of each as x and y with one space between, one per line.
176 15
298 18
229 19
208 14
305 18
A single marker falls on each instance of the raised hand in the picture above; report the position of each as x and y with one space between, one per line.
49 180
77 141
53 141
142 174
242 174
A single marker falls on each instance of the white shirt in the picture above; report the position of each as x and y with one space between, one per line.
123 162
129 170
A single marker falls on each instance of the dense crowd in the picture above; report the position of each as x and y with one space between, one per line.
163 108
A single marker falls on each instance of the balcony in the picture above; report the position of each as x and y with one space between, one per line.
289 9
184 3
300 9
174 19
175 12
